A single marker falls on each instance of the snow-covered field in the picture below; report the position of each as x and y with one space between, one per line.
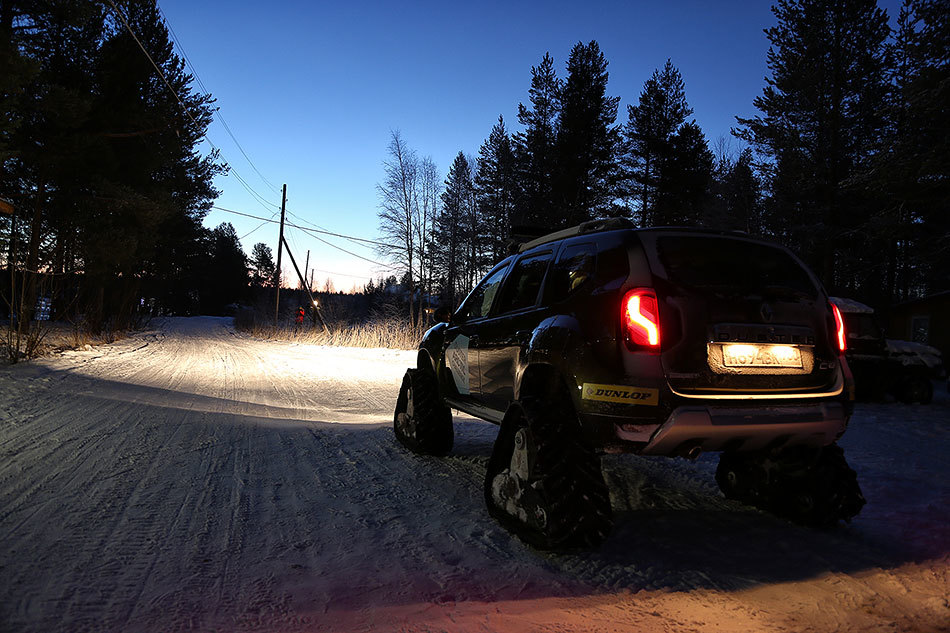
192 478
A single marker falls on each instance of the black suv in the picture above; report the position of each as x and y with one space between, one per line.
605 338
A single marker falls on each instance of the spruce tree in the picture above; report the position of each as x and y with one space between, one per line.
737 201
535 151
226 278
262 266
495 189
908 174
820 122
586 182
456 234
656 145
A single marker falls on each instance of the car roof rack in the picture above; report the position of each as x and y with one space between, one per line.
593 226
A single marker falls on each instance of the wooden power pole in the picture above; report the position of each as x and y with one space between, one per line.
280 243
306 267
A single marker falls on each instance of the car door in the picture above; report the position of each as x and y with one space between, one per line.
507 330
462 339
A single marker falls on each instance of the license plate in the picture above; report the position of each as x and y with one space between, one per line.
761 356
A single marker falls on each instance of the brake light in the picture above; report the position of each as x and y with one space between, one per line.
839 328
641 319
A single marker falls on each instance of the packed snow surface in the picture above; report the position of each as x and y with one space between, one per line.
194 478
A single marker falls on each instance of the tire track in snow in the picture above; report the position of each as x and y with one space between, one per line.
200 482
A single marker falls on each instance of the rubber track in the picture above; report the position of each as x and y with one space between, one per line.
576 497
434 432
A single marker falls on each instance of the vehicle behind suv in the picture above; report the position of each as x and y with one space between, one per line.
902 368
605 338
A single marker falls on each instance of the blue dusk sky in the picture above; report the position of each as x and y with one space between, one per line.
312 91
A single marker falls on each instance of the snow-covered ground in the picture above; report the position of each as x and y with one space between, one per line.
192 478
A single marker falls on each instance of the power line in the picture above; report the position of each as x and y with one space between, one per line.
360 241
259 226
372 261
330 272
302 228
184 108
217 112
257 197
311 233
319 229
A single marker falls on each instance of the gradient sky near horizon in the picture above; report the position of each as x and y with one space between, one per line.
312 91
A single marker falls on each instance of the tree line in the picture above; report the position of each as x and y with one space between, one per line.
100 162
846 162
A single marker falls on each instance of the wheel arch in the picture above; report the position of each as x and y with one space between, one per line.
541 377
424 360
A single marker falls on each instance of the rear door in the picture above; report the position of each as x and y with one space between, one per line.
739 314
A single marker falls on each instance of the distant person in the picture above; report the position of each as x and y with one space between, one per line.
298 320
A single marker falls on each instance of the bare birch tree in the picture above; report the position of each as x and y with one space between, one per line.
398 214
430 188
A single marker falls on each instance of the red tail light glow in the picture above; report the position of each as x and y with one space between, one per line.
839 327
641 319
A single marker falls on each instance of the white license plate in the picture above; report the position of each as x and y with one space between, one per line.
749 355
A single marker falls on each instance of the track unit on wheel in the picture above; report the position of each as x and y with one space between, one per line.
672 342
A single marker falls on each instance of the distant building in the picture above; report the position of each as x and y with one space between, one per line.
925 320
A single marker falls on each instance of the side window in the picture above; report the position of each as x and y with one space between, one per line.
524 283
478 302
574 268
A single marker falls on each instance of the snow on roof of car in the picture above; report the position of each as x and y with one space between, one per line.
851 306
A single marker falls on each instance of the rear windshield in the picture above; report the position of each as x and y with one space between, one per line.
730 265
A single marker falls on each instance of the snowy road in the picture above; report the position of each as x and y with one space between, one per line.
190 478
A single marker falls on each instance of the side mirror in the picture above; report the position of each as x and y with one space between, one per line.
443 315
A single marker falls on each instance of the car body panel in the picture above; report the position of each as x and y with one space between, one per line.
636 400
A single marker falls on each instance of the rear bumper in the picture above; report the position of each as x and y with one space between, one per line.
692 428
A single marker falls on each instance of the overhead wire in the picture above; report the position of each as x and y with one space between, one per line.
217 112
302 228
181 103
356 240
259 226
340 248
312 233
257 196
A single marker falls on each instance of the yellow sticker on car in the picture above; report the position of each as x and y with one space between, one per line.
620 393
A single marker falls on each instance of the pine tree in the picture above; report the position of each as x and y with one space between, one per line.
654 148
737 203
495 189
586 182
227 275
101 155
455 238
820 122
262 265
534 149
908 174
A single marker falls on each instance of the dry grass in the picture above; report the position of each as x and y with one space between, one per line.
390 334
48 337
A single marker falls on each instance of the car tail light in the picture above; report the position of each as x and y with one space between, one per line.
839 329
641 319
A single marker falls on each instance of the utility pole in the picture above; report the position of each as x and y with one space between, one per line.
280 243
316 305
306 267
